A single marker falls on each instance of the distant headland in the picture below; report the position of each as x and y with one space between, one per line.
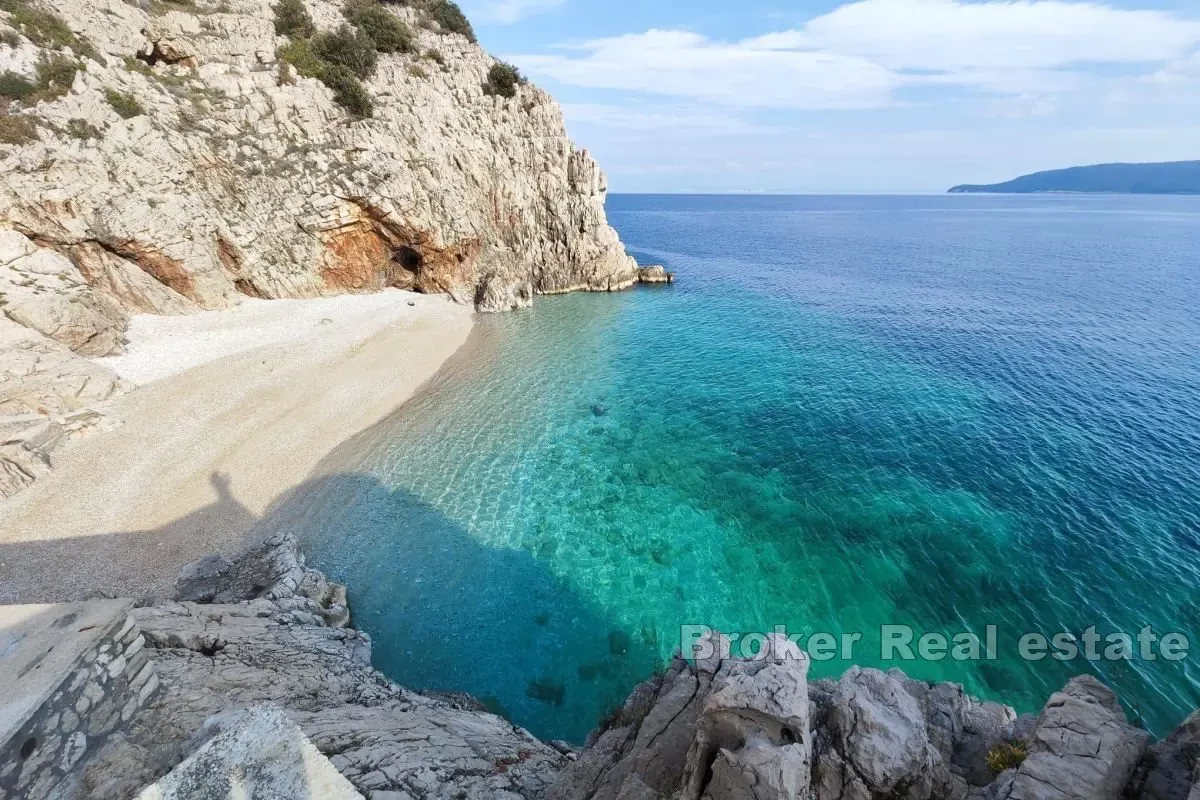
1173 177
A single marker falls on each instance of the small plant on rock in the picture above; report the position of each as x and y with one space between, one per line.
348 90
301 56
55 74
503 80
17 129
1006 756
15 86
125 104
83 130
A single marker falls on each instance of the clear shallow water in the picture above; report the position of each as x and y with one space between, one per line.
850 411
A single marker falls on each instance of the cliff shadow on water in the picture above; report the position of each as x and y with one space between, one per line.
449 614
446 613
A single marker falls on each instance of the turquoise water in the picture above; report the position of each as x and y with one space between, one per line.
850 411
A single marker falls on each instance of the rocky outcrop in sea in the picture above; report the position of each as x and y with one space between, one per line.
169 156
254 663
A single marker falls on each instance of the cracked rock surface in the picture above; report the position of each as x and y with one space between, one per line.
278 647
1081 749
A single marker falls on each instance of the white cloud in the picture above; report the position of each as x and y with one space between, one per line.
506 12
689 65
1183 70
638 121
1025 105
861 54
1028 34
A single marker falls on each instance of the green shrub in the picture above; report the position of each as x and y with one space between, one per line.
417 71
436 57
46 29
347 48
14 86
348 90
82 129
450 18
17 129
301 56
10 38
389 34
292 19
503 80
55 74
126 105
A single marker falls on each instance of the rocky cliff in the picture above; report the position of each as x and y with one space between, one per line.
165 156
267 629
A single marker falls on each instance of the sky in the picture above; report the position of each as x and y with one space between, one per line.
871 96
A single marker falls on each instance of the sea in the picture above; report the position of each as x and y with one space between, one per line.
971 418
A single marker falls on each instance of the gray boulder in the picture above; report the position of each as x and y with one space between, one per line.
720 729
874 743
962 728
1082 748
1170 769
274 570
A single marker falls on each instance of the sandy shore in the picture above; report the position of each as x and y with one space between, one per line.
234 410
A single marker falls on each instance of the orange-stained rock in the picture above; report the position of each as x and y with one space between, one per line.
356 258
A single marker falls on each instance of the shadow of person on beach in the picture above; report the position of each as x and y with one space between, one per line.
115 564
449 613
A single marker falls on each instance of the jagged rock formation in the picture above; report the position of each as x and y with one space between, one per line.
1170 769
724 729
1081 748
244 178
45 395
277 646
178 164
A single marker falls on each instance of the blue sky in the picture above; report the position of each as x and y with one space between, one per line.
865 96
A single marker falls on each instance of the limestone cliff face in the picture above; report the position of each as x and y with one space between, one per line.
227 174
244 178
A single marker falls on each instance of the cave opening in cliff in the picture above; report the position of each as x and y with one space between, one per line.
407 261
408 257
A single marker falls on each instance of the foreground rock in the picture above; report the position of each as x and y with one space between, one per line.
1081 749
731 729
279 648
258 753
1170 769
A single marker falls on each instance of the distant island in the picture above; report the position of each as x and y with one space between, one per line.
1173 177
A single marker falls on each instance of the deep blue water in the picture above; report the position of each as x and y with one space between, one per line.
947 412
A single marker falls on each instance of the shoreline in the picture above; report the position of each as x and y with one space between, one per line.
233 412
